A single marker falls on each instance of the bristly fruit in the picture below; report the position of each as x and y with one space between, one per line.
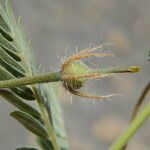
75 72
76 68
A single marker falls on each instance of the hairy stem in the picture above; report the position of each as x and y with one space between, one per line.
56 76
43 78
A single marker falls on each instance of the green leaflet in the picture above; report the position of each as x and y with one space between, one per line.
45 144
4 33
3 24
7 44
11 64
12 54
4 29
30 123
22 91
13 71
16 66
26 148
17 102
16 60
55 113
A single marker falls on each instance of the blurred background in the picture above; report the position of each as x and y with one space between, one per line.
56 28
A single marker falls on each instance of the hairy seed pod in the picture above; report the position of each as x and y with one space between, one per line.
74 69
74 72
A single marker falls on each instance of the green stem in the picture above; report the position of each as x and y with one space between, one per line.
131 69
55 77
140 101
43 78
131 130
45 117
137 106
